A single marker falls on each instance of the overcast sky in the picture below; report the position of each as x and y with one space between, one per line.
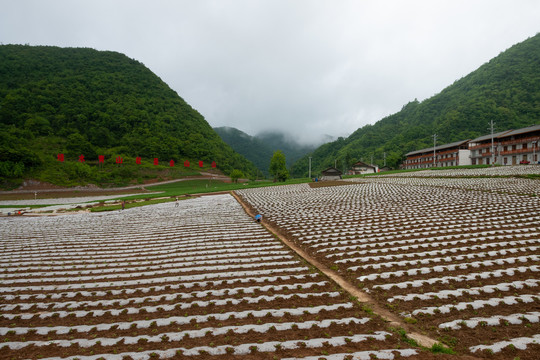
307 67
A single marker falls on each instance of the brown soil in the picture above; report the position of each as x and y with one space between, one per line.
320 184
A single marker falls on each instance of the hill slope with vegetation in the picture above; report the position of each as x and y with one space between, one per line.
252 148
83 101
505 90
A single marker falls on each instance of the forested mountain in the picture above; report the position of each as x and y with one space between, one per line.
505 90
260 148
292 149
82 101
253 149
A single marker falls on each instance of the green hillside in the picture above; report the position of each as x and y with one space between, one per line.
256 151
260 148
505 90
82 101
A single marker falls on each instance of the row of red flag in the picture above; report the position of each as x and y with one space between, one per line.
120 160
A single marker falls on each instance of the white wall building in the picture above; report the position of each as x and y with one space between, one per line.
453 154
511 147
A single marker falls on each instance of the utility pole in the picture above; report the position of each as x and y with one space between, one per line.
384 155
335 164
491 127
310 167
371 159
434 144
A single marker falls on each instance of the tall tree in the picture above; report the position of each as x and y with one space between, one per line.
278 167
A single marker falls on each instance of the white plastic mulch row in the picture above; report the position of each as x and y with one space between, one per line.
200 257
133 274
518 343
179 335
175 286
515 319
168 307
477 290
66 256
479 243
478 304
466 255
178 320
447 268
155 298
159 280
245 349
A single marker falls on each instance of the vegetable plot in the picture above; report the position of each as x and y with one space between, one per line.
458 258
201 280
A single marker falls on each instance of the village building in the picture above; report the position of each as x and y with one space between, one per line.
511 147
331 174
361 168
453 154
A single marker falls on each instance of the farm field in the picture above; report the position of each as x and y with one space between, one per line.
457 258
197 281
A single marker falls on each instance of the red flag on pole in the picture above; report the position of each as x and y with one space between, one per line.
156 161
186 163
119 160
101 159
60 157
81 158
138 160
200 163
171 163
213 164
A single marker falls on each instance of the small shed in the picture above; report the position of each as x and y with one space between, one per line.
360 168
331 174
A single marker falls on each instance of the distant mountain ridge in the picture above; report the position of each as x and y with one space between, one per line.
83 101
260 148
506 90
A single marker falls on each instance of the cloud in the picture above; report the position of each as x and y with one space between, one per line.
307 67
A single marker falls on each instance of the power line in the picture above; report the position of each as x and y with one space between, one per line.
434 144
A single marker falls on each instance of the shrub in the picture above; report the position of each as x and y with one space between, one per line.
439 348
410 320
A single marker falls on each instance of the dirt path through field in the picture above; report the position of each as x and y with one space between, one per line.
393 320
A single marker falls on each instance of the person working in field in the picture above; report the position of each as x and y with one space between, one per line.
258 218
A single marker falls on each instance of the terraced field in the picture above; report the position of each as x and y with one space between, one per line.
198 281
456 257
